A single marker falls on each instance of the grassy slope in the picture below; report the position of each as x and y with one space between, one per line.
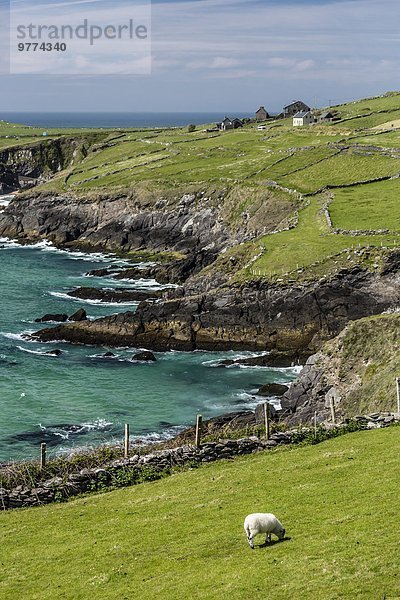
364 361
182 537
246 161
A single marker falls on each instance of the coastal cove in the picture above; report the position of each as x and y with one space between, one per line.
81 398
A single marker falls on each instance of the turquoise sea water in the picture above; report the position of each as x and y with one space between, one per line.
80 398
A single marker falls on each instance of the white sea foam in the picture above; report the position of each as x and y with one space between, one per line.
8 243
5 200
19 337
38 352
64 432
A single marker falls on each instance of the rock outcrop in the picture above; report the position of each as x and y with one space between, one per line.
24 166
355 372
255 316
113 295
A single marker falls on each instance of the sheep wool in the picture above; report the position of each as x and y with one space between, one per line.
262 523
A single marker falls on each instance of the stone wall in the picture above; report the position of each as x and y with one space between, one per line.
159 463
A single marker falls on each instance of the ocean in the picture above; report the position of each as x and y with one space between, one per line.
116 120
81 399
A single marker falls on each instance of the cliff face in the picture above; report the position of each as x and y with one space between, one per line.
256 316
356 370
207 312
37 161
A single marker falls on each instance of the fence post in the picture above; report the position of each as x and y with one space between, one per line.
43 452
267 420
199 425
333 411
398 393
315 424
126 444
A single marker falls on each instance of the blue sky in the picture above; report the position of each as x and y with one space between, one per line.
231 55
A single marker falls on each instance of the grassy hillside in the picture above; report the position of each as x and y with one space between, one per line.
265 173
183 537
363 362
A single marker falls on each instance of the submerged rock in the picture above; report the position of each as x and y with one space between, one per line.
55 352
57 318
144 357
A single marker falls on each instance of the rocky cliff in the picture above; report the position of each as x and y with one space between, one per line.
24 166
356 371
254 316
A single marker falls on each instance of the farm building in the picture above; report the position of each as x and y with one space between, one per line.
326 116
228 123
298 106
302 118
261 114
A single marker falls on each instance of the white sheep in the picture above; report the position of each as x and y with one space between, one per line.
262 523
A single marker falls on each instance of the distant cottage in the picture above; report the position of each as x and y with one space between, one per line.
228 123
298 106
326 117
261 114
302 118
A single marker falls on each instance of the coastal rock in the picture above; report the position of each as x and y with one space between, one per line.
109 355
272 359
253 316
55 352
272 389
79 315
144 357
49 318
114 295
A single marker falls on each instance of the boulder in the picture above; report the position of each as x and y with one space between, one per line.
109 355
57 318
272 389
144 357
79 315
55 352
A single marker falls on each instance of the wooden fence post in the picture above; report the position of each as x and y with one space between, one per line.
398 393
126 444
199 426
267 420
315 424
333 411
43 452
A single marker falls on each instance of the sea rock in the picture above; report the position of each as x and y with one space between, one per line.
79 315
109 355
272 359
114 295
272 389
55 352
144 357
56 318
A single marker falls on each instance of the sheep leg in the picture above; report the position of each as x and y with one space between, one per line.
268 538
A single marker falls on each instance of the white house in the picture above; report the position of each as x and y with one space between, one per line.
304 117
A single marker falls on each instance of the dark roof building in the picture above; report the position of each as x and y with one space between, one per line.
326 116
261 114
228 123
298 106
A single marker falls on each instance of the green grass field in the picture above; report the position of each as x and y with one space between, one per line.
244 162
374 206
182 537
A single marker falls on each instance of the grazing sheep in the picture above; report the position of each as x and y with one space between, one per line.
262 523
